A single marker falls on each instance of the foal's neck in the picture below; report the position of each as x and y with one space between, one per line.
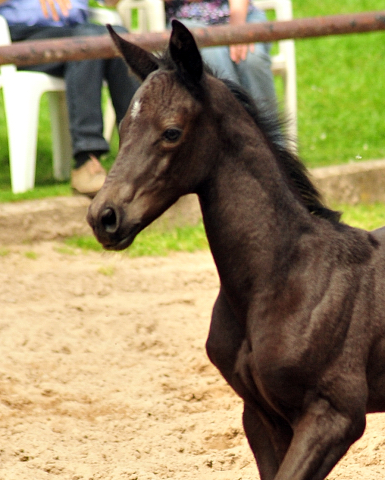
252 219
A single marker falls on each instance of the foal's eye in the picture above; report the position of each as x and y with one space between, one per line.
172 135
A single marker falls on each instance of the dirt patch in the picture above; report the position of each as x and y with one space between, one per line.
103 373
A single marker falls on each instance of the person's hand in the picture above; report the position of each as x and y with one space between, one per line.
239 52
49 8
238 15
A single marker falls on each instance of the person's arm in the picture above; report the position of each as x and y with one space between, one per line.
238 14
50 9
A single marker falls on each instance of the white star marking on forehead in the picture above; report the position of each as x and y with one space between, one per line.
136 109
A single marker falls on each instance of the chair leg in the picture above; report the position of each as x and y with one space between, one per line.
291 104
22 114
61 138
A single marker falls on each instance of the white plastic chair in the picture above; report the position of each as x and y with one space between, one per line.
283 63
151 15
22 91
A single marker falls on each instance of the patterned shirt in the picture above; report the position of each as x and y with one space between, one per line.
29 12
212 12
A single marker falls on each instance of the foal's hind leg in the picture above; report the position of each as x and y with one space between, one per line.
268 438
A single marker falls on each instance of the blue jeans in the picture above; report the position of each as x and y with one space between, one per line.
84 80
253 74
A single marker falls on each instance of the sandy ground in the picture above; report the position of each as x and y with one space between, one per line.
104 375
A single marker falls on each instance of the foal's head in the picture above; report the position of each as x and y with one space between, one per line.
179 125
158 159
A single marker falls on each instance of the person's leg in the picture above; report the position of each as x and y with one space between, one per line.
121 85
84 106
255 73
84 81
25 32
83 85
218 59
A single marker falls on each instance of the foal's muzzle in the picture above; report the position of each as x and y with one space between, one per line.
110 226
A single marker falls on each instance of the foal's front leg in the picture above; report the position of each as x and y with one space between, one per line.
225 341
225 338
321 437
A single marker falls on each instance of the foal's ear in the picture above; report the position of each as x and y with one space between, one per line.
184 52
141 62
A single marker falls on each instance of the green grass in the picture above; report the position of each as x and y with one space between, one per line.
31 255
340 89
341 101
152 242
366 216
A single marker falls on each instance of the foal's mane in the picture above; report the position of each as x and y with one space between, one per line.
295 171
269 123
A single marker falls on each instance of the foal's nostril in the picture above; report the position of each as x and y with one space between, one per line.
109 220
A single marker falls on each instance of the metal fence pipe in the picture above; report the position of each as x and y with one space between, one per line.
81 48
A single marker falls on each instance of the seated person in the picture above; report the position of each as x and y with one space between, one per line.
246 65
43 19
